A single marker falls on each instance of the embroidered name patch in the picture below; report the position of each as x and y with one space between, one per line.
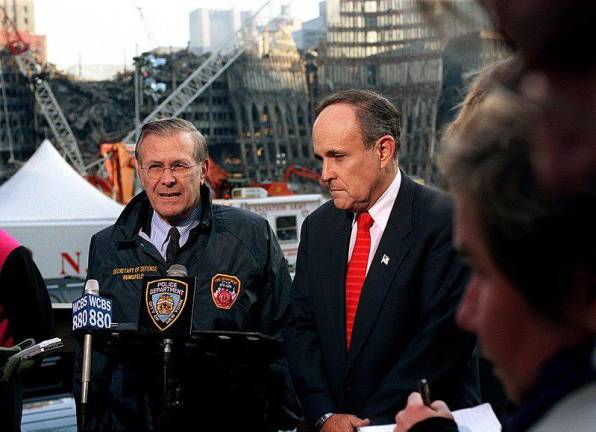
224 290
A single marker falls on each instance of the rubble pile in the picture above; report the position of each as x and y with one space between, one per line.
103 111
98 111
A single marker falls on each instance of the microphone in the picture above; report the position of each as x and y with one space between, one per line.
175 270
89 312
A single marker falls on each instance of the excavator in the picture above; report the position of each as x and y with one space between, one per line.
219 180
281 188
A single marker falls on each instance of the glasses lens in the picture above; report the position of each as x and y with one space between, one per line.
155 172
181 170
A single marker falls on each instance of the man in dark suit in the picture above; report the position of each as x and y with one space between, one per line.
377 281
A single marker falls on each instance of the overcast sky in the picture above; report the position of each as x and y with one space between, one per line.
112 32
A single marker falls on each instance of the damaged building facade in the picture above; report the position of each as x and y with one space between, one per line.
271 106
17 116
256 115
390 47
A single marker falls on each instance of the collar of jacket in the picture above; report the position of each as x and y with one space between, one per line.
401 214
137 214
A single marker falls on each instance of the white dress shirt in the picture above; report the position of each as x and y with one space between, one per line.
160 230
379 212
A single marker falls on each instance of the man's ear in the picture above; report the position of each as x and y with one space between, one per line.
385 146
204 170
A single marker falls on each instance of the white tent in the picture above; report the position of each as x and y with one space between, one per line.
53 211
48 190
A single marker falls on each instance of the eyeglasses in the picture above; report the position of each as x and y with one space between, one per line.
155 172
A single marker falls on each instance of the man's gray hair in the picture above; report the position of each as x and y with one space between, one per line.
170 126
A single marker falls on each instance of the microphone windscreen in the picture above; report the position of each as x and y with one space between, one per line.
177 270
91 312
92 287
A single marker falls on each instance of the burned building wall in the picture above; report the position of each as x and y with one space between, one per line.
255 116
393 47
271 104
17 142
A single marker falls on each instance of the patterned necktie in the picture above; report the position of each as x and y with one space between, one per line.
357 270
173 245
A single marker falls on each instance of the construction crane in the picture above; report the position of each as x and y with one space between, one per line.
199 80
31 69
8 128
148 30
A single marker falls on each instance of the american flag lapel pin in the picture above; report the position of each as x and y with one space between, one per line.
385 260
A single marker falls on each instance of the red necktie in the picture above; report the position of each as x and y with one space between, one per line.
357 270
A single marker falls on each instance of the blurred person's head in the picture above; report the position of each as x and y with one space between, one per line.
356 137
502 73
533 288
555 39
548 34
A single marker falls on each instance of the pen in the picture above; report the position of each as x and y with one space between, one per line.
424 391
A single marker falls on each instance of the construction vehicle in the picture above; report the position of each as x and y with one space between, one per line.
218 180
282 188
301 171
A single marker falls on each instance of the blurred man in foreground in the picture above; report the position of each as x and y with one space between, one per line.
555 40
532 297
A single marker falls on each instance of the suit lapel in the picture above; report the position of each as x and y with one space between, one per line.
393 248
336 256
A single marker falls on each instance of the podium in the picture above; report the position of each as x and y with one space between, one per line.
248 347
163 373
213 380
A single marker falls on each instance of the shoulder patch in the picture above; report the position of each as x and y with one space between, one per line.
225 290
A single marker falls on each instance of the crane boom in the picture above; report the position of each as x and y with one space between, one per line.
31 69
51 110
198 81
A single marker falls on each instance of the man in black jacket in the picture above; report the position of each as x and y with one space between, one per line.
377 281
242 285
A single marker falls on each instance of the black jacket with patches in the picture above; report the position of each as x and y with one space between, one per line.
125 390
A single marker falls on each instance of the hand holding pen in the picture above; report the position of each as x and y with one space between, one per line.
420 408
424 391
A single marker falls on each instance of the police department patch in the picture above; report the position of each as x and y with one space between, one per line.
165 299
224 290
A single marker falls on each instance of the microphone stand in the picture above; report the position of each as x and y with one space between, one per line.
91 287
175 270
167 352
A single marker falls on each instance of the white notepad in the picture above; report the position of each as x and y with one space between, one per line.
480 418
